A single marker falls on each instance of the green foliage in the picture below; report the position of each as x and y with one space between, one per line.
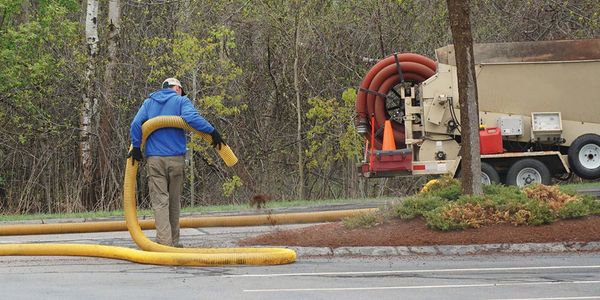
185 54
332 136
577 209
509 198
366 220
437 220
592 204
33 63
536 205
231 184
574 210
445 187
538 214
416 206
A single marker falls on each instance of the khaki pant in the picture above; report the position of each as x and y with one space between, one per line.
165 182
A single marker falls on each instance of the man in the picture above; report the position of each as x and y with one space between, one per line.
165 152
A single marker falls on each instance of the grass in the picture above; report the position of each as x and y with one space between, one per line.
197 209
571 188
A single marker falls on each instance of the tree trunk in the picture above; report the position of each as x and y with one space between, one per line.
191 150
380 30
458 12
106 173
90 102
298 107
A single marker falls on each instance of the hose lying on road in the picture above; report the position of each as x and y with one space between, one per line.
147 257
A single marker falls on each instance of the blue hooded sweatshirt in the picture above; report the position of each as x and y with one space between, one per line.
166 141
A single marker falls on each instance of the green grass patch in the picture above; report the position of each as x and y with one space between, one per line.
197 209
572 188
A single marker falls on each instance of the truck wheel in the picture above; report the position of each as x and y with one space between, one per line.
489 175
584 156
528 171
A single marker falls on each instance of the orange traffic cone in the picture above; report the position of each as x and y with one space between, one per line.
388 137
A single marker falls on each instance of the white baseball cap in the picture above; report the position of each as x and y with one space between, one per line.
171 82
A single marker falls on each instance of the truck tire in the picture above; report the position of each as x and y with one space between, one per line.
528 171
584 156
489 175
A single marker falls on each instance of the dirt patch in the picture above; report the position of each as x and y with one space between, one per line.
415 233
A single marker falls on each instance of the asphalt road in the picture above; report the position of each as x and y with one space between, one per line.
571 276
505 276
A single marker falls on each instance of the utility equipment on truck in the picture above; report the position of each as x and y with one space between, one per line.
539 109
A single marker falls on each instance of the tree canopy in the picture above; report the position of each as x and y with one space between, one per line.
274 76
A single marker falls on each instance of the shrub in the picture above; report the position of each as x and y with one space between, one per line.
366 220
552 196
539 213
592 203
446 188
444 208
574 209
504 196
438 219
416 206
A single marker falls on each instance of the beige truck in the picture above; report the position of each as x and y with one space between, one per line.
539 106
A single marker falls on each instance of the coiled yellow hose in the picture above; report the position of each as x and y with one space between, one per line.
174 121
229 255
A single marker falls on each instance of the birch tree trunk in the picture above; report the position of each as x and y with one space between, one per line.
298 106
90 101
458 12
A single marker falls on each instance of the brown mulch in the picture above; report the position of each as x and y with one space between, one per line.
415 233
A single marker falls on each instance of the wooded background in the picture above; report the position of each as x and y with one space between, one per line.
276 77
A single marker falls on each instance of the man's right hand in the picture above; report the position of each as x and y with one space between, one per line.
217 141
136 154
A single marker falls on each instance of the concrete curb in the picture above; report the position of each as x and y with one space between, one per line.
446 249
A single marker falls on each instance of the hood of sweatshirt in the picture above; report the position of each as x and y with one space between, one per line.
163 95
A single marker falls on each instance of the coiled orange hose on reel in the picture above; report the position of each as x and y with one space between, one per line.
379 80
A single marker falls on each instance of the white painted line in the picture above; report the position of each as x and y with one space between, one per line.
416 271
423 286
558 298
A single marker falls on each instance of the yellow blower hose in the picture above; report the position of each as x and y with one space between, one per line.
217 221
230 255
174 121
158 254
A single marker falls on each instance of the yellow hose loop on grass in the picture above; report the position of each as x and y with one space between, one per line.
215 221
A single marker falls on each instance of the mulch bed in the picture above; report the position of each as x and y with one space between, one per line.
415 233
